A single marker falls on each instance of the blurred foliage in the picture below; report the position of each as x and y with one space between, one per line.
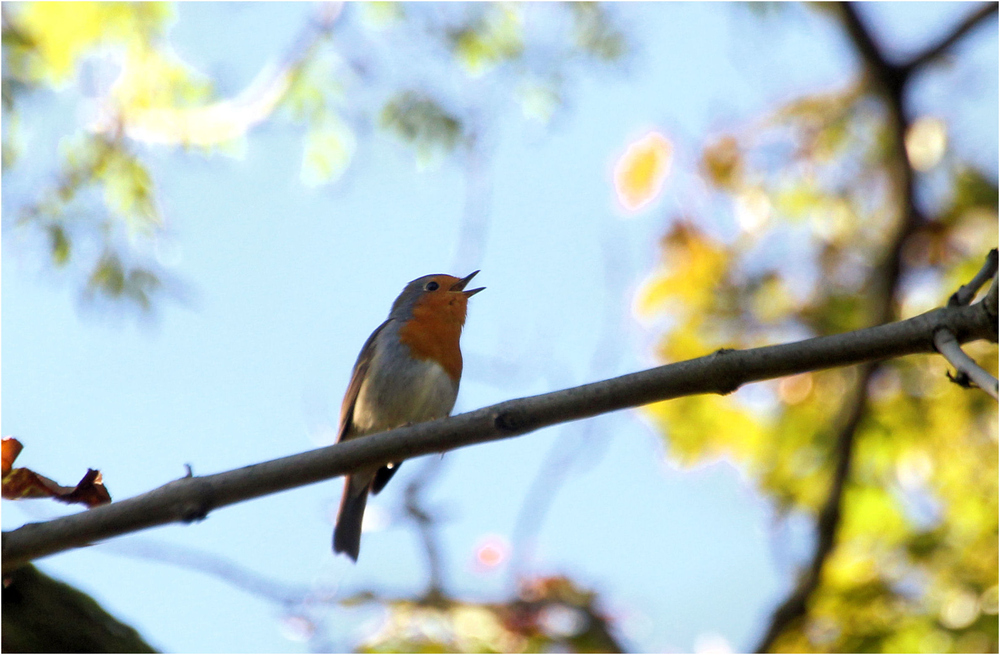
49 38
491 38
42 615
549 614
914 568
421 123
101 220
43 44
595 34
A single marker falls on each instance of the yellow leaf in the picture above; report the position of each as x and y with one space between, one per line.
704 427
641 171
695 265
773 301
63 31
800 200
497 38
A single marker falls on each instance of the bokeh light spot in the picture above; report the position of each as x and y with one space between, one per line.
926 141
753 208
712 643
560 621
796 388
914 468
641 171
960 610
491 552
376 518
988 601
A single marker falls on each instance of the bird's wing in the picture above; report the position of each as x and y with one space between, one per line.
357 377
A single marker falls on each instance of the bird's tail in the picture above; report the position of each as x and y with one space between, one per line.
347 533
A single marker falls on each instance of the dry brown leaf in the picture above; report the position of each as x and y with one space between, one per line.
21 483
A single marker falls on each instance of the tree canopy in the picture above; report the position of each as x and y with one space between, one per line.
832 211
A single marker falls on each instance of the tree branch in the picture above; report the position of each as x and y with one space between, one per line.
829 517
191 498
887 76
990 303
936 50
967 368
949 347
967 292
243 578
888 81
424 520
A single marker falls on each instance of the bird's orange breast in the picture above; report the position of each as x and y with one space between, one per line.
434 330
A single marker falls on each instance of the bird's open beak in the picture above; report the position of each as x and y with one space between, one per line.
461 284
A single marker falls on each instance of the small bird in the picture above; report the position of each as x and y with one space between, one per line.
408 372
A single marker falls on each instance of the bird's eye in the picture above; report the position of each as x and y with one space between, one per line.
431 286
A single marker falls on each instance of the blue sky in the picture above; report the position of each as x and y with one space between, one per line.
284 284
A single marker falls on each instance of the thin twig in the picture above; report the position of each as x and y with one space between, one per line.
967 292
425 522
933 52
241 577
990 304
948 346
551 474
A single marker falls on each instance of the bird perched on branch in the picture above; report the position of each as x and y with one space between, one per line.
408 372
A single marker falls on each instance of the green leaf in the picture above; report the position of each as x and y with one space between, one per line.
329 146
60 245
422 123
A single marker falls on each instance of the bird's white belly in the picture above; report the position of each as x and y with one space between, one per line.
419 391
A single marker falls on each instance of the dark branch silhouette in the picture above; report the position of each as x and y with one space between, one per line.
935 51
794 607
888 81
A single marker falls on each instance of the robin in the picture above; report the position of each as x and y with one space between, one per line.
408 372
